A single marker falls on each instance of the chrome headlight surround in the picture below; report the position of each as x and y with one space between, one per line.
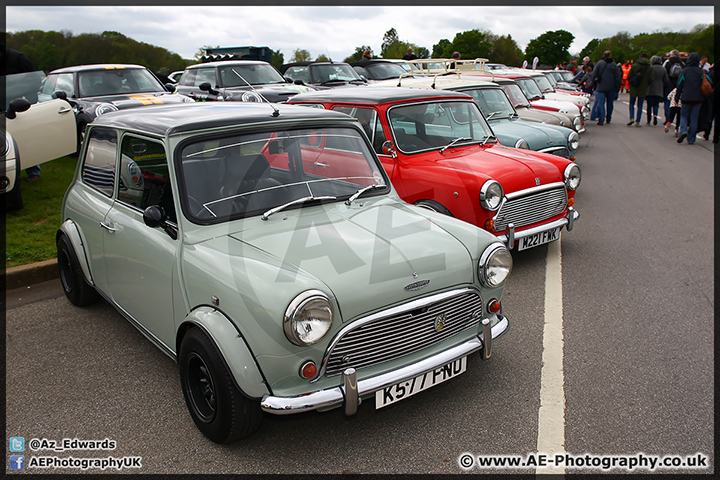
573 140
104 108
491 195
521 143
572 176
187 99
585 111
308 318
577 121
495 265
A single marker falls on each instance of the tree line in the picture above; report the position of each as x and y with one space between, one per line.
51 50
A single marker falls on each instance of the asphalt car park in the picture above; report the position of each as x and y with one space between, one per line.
637 314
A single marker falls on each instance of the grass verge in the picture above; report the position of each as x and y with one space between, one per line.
30 231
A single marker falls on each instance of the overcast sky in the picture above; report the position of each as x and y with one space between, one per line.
336 31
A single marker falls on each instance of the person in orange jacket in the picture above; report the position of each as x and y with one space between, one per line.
625 69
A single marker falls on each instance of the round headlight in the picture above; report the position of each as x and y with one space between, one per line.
308 318
572 176
251 97
495 265
577 121
521 144
104 108
573 140
491 195
585 111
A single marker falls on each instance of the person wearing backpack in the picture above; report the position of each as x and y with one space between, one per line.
659 78
690 92
639 78
673 75
607 78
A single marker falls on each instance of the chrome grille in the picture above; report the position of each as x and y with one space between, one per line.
559 151
531 208
388 337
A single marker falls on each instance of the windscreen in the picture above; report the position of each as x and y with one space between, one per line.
254 74
433 125
250 173
492 102
117 81
529 88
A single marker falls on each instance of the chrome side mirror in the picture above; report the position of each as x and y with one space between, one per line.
388 148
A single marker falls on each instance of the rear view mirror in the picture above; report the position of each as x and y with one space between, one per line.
17 105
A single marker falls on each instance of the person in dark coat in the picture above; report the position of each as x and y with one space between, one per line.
689 91
639 91
607 79
655 90
672 60
707 110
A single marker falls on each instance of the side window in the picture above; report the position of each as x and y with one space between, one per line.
144 178
298 73
370 123
98 169
204 75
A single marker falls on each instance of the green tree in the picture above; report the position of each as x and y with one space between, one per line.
323 58
442 49
505 50
550 47
422 52
472 44
300 55
704 43
390 37
357 55
277 59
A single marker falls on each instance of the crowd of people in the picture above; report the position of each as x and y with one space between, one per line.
688 106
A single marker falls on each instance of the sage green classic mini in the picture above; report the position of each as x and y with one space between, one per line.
264 249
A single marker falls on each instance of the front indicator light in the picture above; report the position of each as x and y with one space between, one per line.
308 370
493 306
571 201
573 158
489 224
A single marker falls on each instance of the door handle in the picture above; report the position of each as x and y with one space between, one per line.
65 110
108 226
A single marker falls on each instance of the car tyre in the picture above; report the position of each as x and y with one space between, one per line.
76 288
434 206
216 405
13 198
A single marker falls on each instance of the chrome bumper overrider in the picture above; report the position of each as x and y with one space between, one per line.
512 236
352 389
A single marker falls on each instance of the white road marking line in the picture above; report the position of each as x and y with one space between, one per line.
551 415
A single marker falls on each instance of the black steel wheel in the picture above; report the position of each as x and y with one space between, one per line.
77 290
216 405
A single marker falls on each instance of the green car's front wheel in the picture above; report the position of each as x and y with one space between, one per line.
217 407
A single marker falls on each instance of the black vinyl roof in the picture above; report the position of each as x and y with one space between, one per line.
163 120
375 95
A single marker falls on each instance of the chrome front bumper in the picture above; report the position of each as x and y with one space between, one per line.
352 390
512 236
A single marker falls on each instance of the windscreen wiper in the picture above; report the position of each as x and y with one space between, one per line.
459 139
355 195
297 201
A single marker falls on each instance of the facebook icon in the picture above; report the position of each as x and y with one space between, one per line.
17 462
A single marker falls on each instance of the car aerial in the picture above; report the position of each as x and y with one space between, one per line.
441 154
34 133
506 124
94 90
532 92
378 69
323 74
237 80
264 249
527 112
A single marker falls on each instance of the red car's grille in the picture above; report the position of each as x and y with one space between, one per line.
531 208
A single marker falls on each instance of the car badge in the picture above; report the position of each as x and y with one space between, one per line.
537 181
439 322
416 285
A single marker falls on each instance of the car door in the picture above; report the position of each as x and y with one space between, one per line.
44 132
140 260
